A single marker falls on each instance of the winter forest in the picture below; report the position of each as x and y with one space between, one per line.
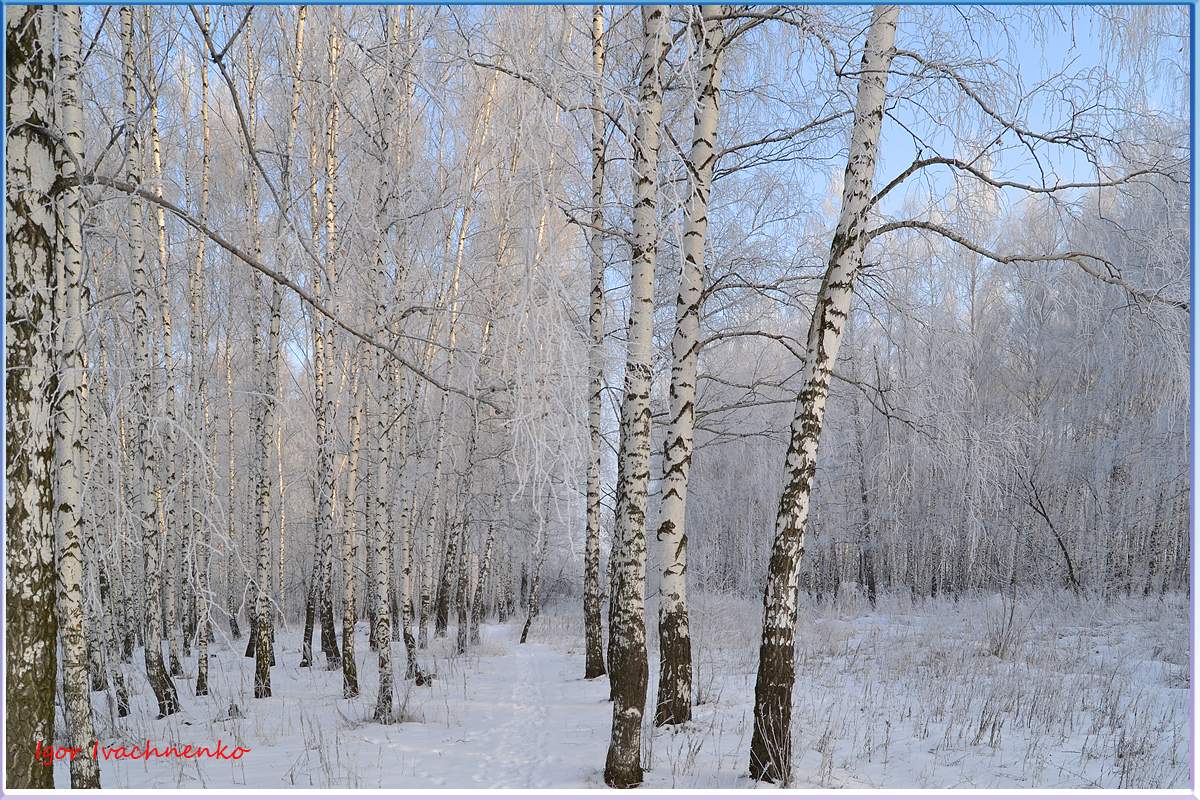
577 396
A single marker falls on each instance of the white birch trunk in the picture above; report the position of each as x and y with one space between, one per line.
381 494
627 652
674 704
317 590
197 345
350 538
326 479
485 568
29 232
69 446
533 605
164 689
770 749
594 636
231 475
266 359
166 515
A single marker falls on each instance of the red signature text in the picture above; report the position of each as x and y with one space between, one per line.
49 753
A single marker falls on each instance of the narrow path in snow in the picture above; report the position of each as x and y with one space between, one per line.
531 719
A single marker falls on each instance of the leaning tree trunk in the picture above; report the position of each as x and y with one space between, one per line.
403 159
408 541
281 524
593 635
257 456
109 632
160 682
453 519
623 768
29 234
615 557
770 748
70 448
674 640
285 178
462 595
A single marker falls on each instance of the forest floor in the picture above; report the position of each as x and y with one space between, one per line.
1073 692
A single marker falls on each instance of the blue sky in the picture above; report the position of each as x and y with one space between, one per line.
1063 40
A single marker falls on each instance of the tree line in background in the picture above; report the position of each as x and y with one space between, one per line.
316 316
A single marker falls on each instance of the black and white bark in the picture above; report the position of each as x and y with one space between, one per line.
533 606
627 649
266 360
485 568
431 525
70 448
350 535
324 359
144 452
771 745
380 519
169 479
674 704
30 244
197 348
593 635
231 529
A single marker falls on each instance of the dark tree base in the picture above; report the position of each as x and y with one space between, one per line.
771 746
674 705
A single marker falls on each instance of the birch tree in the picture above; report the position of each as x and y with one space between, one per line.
198 343
144 458
594 644
30 243
167 482
323 363
627 632
231 531
674 640
771 746
377 403
485 569
70 449
350 536
263 418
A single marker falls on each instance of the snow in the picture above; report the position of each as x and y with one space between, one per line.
1090 694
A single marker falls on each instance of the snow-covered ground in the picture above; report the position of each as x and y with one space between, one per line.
1083 693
